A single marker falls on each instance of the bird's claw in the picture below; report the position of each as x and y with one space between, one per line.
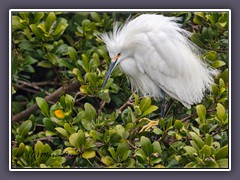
151 123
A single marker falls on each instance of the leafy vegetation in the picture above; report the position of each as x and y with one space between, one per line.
86 127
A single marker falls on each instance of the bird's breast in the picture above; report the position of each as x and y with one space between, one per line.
129 67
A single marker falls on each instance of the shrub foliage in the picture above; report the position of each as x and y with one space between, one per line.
62 118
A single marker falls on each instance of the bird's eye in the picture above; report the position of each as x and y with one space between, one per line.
119 54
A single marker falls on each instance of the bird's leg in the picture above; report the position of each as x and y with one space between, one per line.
169 106
163 104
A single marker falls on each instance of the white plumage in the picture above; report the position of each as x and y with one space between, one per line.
155 53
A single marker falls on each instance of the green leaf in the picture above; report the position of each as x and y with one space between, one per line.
145 104
77 139
223 20
90 111
95 16
30 60
20 150
92 78
190 150
121 148
51 18
107 160
205 151
196 39
141 154
197 139
42 152
146 146
38 16
65 63
200 14
209 140
87 123
70 150
178 124
36 31
95 62
221 83
25 128
49 124
211 19
113 153
151 109
222 163
16 24
215 89
38 146
69 129
62 131
201 112
43 105
122 132
221 113
104 96
169 124
45 64
96 135
85 62
89 154
222 153
42 27
69 101
136 98
218 64
55 162
224 75
61 27
72 54
211 55
156 147
125 155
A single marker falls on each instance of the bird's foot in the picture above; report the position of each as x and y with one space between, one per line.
149 125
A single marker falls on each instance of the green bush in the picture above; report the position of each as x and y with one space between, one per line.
58 66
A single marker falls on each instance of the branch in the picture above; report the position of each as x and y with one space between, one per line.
65 89
129 102
33 86
193 115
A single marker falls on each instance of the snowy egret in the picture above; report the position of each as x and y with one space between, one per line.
157 56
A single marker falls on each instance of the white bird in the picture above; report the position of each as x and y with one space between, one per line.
157 56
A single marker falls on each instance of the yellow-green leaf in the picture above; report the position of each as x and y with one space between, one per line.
201 111
25 128
107 160
89 154
222 153
62 131
151 109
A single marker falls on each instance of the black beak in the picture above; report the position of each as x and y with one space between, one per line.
111 67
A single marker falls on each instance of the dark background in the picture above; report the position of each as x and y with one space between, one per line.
120 4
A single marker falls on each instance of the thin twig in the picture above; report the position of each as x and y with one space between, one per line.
49 138
26 89
125 105
192 115
102 104
44 83
129 102
67 88
33 86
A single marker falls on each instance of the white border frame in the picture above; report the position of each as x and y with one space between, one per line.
114 10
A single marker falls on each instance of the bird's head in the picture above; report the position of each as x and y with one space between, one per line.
119 46
114 61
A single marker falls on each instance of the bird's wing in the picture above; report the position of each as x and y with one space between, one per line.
169 62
